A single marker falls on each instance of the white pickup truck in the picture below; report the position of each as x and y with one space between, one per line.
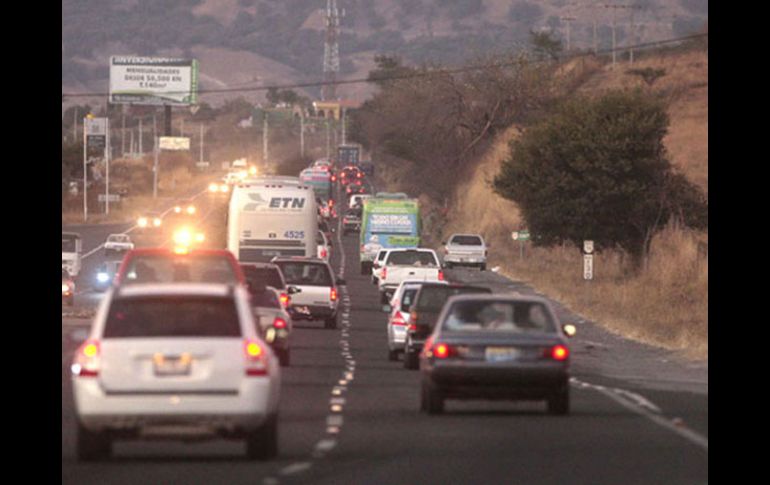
407 264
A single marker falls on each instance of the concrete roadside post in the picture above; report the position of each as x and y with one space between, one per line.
588 266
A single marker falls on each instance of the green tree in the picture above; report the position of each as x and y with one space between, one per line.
598 169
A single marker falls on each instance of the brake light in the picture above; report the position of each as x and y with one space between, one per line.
323 253
440 275
384 272
284 299
442 351
279 323
359 175
333 294
256 360
398 320
87 359
559 352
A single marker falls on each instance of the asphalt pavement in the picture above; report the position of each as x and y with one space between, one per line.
348 415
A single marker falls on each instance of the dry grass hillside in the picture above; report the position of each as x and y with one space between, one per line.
667 303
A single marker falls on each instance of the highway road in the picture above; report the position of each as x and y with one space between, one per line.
639 415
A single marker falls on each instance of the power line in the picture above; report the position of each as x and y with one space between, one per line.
415 74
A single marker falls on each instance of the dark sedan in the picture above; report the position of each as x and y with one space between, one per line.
496 347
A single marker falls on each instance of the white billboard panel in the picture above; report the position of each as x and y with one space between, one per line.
153 81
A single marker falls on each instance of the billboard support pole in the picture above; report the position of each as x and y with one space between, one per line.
107 170
167 120
85 174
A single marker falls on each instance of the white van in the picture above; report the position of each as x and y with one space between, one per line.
269 219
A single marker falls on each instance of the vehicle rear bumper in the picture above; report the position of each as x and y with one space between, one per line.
526 382
314 312
459 260
243 409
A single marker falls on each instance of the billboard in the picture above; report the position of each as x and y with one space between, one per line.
153 81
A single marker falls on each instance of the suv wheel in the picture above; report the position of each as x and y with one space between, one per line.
92 445
262 443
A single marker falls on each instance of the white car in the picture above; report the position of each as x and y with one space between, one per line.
398 320
465 250
358 199
118 243
407 264
175 361
377 265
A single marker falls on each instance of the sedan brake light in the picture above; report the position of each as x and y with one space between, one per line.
284 299
279 323
558 352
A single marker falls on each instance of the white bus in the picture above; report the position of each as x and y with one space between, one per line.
71 248
269 219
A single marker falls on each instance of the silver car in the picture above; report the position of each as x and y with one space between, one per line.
398 318
496 347
465 250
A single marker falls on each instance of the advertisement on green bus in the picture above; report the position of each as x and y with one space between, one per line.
385 224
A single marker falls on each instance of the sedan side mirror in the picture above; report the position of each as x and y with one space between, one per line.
569 329
293 289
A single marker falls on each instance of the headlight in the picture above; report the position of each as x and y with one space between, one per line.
142 222
102 277
224 188
200 237
213 187
65 288
157 222
183 237
191 210
177 209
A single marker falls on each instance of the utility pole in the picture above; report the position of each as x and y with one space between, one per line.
107 169
123 133
344 122
75 125
141 133
200 156
614 7
568 20
85 171
265 143
155 150
328 140
302 134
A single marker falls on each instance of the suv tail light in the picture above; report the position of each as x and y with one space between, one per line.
279 323
441 275
557 352
398 320
256 360
285 299
443 351
87 359
323 253
413 320
384 273
333 294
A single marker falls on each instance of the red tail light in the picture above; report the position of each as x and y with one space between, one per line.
284 299
333 294
334 178
323 252
442 351
87 359
359 175
279 323
256 359
559 352
398 320
384 273
440 275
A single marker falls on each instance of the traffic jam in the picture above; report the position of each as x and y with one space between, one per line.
192 339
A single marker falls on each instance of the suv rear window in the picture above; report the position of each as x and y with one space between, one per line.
432 298
412 258
466 240
263 276
182 268
172 316
306 274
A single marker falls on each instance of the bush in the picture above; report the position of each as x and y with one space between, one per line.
597 169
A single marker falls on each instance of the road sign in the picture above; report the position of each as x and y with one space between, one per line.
112 198
174 143
520 235
588 247
588 266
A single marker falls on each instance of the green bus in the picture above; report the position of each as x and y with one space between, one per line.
388 223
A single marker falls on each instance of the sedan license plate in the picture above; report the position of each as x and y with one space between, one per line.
501 354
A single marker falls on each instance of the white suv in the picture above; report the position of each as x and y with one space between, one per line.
318 297
118 243
465 249
175 361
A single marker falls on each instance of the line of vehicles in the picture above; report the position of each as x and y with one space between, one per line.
188 342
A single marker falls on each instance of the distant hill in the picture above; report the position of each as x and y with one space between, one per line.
242 43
